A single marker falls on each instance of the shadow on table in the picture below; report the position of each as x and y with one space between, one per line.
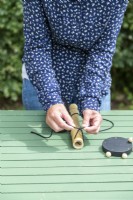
57 141
23 138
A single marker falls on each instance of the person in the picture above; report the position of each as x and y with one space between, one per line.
68 51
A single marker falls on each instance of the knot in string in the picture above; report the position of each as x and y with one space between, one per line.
78 128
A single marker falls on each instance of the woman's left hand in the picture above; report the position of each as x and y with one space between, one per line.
93 119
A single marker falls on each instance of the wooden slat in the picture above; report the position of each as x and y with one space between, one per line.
99 178
122 195
61 149
0 165
21 113
67 163
54 156
42 124
64 144
117 113
83 187
23 124
101 136
52 170
21 118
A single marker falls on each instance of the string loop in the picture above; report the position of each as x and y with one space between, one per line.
78 129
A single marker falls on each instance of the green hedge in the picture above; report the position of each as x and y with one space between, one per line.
122 70
11 41
11 52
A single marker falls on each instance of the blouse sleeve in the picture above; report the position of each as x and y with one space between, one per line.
98 65
38 54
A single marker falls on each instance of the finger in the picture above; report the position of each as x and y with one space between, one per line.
92 129
61 123
98 129
53 125
68 119
86 119
95 125
96 121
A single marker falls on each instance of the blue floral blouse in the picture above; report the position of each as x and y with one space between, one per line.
69 45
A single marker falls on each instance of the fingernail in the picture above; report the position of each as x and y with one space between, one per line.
72 124
84 125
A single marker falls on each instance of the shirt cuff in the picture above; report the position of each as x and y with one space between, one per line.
49 100
90 103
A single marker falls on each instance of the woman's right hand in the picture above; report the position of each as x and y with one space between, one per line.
58 118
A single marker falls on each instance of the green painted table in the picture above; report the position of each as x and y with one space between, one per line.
33 168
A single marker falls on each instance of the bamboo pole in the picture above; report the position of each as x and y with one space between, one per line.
77 140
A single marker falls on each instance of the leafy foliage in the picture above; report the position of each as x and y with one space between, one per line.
11 41
122 70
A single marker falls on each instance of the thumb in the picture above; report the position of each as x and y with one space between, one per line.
68 118
86 119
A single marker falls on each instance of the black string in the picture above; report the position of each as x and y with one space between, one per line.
46 137
112 125
78 129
